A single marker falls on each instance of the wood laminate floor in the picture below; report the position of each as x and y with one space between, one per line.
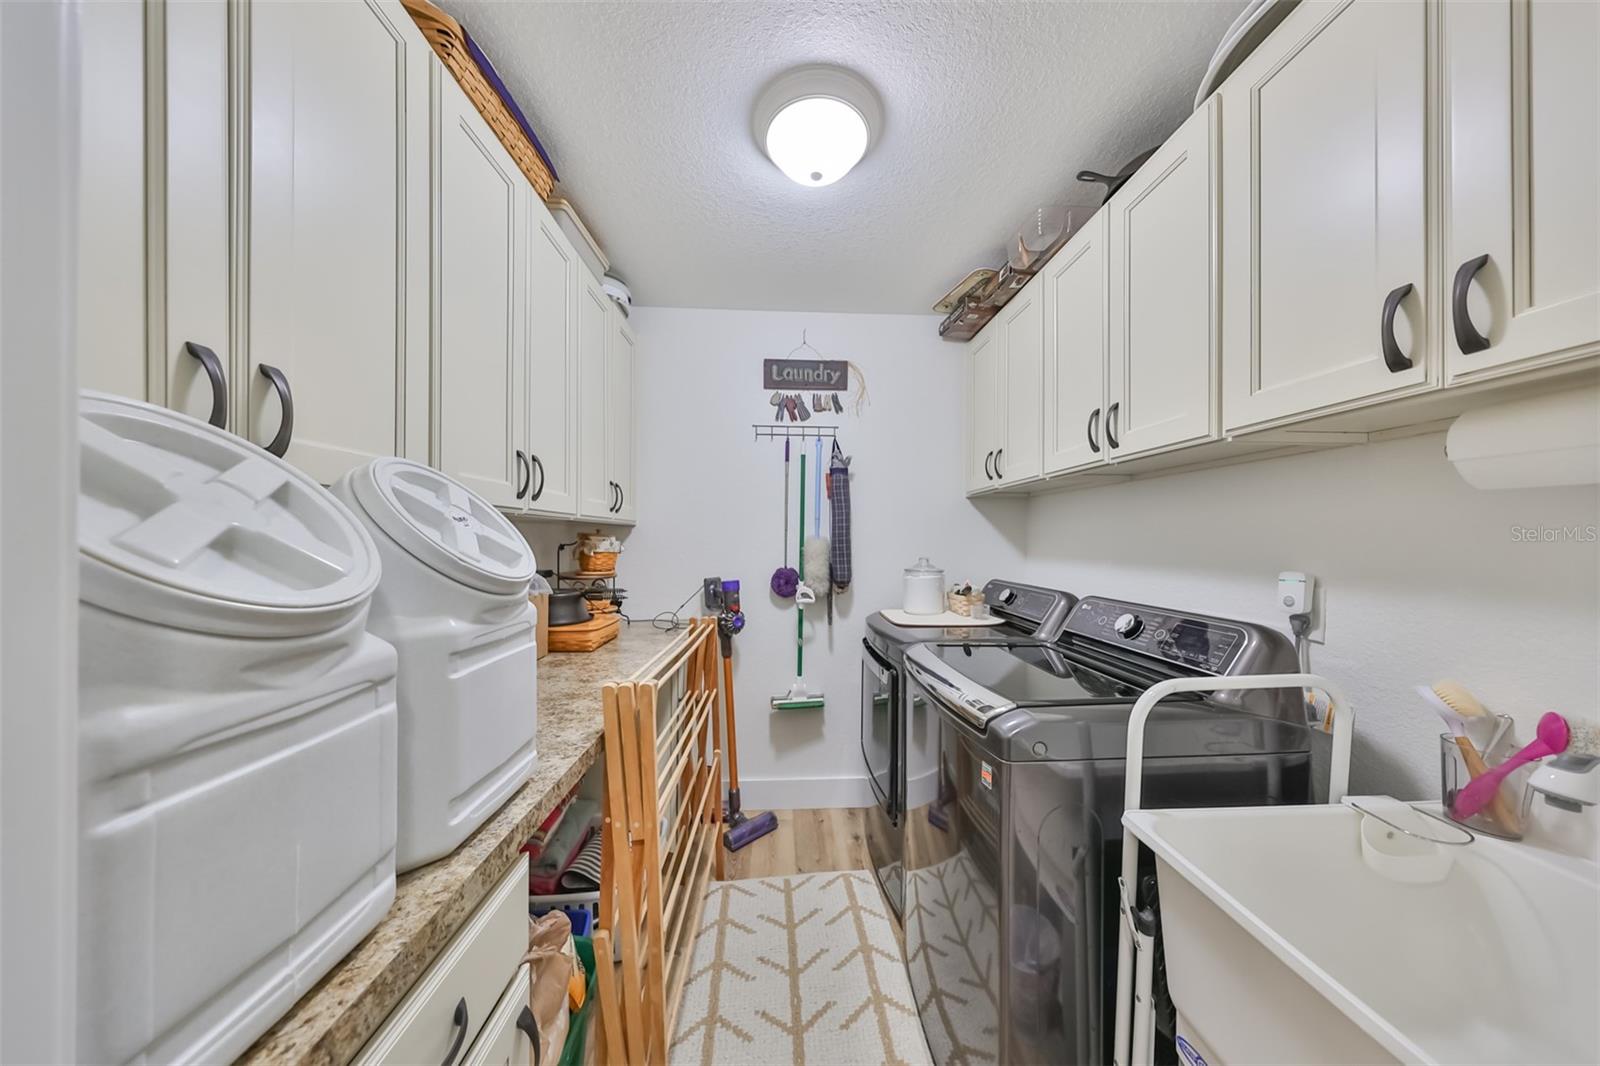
806 841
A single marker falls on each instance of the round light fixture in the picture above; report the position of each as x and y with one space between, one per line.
816 122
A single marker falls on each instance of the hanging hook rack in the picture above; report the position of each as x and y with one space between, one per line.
765 432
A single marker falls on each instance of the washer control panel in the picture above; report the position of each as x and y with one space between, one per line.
1192 641
1040 611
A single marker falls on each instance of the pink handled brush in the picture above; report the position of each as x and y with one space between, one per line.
1551 738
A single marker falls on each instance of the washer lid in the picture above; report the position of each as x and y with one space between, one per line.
185 524
445 525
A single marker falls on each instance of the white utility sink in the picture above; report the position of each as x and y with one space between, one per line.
1282 945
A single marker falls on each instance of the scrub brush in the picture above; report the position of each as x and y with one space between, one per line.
1456 706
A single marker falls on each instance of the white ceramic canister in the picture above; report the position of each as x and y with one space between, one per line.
924 588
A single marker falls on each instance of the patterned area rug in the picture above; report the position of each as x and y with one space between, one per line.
803 969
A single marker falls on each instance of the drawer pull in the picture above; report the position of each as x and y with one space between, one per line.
988 471
526 473
459 1021
1392 355
538 468
1111 425
1468 339
998 475
1094 431
530 1025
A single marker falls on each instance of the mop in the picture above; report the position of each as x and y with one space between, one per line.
799 697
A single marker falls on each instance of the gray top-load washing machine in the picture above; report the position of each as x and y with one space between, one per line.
899 740
1011 904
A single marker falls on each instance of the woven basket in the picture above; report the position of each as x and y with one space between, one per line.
963 605
449 42
597 562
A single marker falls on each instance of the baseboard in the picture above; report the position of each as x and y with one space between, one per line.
803 793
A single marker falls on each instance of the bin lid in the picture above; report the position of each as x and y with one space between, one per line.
445 525
187 525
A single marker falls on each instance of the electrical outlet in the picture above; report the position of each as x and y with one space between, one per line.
1302 593
713 592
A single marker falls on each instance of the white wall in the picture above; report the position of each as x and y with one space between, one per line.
710 503
1425 579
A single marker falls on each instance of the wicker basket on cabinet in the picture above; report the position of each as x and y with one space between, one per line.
449 41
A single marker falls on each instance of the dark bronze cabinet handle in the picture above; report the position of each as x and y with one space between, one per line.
530 1025
616 504
524 472
1111 425
538 468
1093 431
219 382
1392 355
988 470
998 476
622 498
280 385
459 1022
1468 339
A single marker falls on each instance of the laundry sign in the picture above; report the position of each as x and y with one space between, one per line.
807 375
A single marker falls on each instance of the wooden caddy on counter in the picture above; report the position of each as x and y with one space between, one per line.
662 840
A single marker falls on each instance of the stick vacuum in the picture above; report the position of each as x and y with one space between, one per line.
741 829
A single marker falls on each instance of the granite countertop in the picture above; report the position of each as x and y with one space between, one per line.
330 1023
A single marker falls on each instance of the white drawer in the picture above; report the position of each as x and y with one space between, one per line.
464 982
502 1041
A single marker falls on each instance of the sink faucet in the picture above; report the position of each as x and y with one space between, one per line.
1569 782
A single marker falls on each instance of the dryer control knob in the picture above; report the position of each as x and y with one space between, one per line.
1129 626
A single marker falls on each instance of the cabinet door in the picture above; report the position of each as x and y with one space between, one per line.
1324 182
1017 457
983 387
191 231
552 389
1522 118
620 352
1075 351
477 293
337 267
595 498
1162 387
111 199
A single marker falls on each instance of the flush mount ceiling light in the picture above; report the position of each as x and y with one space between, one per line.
816 122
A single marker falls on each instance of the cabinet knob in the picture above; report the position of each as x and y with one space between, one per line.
1468 339
1392 355
280 384
219 382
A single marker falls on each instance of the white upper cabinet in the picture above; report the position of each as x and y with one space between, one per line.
478 293
1021 325
552 367
1075 295
111 207
595 498
1324 266
1161 387
1522 165
337 216
620 352
984 435
191 231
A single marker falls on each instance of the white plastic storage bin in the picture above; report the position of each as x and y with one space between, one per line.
454 603
238 736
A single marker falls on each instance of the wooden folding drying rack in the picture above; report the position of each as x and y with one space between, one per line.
662 840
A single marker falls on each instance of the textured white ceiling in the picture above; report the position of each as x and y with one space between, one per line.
990 109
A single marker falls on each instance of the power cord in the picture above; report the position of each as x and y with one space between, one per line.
671 621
